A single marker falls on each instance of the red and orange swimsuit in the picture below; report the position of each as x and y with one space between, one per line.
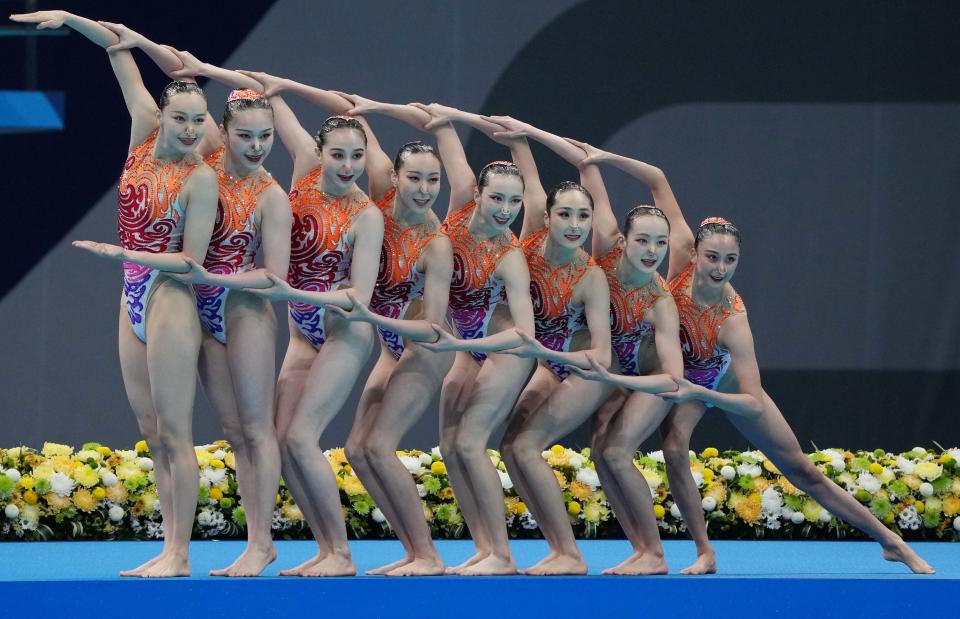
320 252
150 218
235 241
551 290
705 361
398 280
630 333
475 290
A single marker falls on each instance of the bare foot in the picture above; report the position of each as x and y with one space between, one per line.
332 565
616 568
383 569
491 565
140 569
170 567
420 567
646 564
299 569
558 565
902 553
250 563
705 564
477 558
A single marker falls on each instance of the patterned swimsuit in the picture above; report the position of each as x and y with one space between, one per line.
150 218
630 333
551 290
235 241
398 280
474 289
705 361
320 253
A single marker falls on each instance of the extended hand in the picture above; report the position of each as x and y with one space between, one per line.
44 19
685 391
192 67
444 342
279 289
529 347
103 250
126 38
195 273
360 311
592 153
269 84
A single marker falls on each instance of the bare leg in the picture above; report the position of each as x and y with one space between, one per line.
677 429
173 344
770 432
638 419
494 394
568 406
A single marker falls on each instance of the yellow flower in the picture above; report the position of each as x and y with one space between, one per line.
99 494
438 468
56 503
446 494
912 481
118 493
292 512
104 451
811 510
216 493
557 450
63 464
30 497
217 464
708 475
710 452
789 488
770 466
876 468
84 500
928 470
203 458
573 508
951 505
347 469
558 459
579 490
561 479
920 507
338 456
141 446
352 486
749 509
230 460
339 482
592 512
86 476
717 490
659 512
279 500
653 478
26 482
56 449
519 508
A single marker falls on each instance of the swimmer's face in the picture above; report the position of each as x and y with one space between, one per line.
249 138
570 218
418 181
181 122
500 201
646 242
343 157
716 259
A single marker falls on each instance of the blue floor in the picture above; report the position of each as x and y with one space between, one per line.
821 579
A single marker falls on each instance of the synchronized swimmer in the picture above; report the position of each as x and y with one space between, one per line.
532 331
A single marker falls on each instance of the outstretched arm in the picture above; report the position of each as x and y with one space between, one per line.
463 182
606 230
681 237
379 165
514 134
140 105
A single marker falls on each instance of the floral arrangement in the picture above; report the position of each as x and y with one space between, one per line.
101 493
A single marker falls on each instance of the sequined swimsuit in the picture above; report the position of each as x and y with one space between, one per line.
705 361
235 241
551 290
398 280
630 333
320 252
150 218
474 289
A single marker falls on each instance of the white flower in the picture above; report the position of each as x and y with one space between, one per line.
61 484
109 479
13 474
825 516
675 512
219 454
956 523
213 476
30 516
868 482
656 456
771 503
116 513
145 464
787 513
126 454
954 453
426 460
589 477
204 482
421 490
909 518
576 461
926 489
772 523
11 511
435 451
749 470
412 464
728 472
505 480
709 503
756 455
378 516
797 518
697 478
205 518
887 476
905 465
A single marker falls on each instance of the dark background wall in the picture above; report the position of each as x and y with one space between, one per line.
827 131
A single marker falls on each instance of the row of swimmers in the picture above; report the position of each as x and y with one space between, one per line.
532 331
